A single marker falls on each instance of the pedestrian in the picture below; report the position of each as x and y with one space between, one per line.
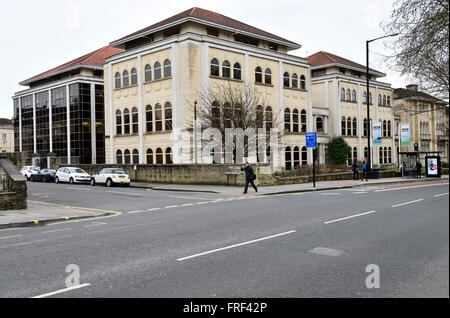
364 171
250 177
355 170
419 169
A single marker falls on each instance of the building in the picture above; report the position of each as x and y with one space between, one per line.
339 103
151 86
61 113
7 135
427 119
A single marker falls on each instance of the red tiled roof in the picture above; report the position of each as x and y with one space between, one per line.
325 58
96 58
212 17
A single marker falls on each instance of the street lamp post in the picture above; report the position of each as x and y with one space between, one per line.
369 155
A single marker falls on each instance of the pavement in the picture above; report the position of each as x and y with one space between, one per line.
191 245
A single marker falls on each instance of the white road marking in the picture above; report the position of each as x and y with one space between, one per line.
154 209
137 211
410 202
61 291
359 192
350 217
95 224
125 193
412 187
235 245
188 204
8 237
440 195
201 203
330 193
190 198
66 229
171 207
81 189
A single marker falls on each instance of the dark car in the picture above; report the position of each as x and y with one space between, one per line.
45 175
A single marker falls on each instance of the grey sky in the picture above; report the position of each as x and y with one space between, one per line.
39 35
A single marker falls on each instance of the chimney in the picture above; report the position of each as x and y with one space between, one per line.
412 87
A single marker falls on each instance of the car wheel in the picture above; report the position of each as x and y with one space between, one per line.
92 182
56 180
109 183
126 185
32 179
71 180
28 178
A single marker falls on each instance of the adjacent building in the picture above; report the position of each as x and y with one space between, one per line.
339 104
151 87
61 113
427 119
7 135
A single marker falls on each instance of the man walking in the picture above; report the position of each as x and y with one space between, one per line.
419 169
250 177
355 170
364 171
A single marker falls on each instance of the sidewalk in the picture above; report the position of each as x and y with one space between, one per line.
39 213
280 189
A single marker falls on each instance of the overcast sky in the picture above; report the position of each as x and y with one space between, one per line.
40 35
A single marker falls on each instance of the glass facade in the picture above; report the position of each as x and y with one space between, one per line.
27 124
42 123
59 121
16 125
100 123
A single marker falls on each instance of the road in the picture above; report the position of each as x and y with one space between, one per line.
175 244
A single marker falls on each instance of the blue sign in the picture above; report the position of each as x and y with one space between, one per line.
311 140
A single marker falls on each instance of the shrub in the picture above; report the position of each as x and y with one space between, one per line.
339 150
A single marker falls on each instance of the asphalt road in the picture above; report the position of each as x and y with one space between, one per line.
174 244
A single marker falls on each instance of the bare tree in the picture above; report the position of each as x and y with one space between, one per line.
237 107
422 49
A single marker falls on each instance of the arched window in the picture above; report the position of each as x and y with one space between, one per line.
169 156
135 118
167 69
159 156
295 121
126 121
355 127
157 68
342 94
269 118
168 115
226 69
303 120
288 158
349 95
214 67
294 81
355 154
384 100
365 128
343 126
389 129
380 156
365 98
118 122
304 156
149 156
119 158
134 79
385 157
319 124
302 82
148 73
389 155
366 153
268 76
349 126
379 100
389 100
135 156
258 75
287 120
149 118
286 79
227 115
127 156
296 157
215 114
370 98
259 117
237 71
384 128
158 117
118 80
353 96
126 79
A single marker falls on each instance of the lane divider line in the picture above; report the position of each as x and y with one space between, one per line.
440 195
66 229
350 217
235 245
9 237
61 291
406 203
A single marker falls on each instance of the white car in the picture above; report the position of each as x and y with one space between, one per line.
72 175
27 171
110 177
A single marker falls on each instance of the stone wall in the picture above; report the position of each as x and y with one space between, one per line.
13 189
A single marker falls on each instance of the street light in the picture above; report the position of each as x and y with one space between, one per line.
369 159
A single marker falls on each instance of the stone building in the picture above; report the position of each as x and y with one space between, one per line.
7 135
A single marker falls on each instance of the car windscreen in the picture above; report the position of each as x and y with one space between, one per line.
35 169
118 171
77 170
51 171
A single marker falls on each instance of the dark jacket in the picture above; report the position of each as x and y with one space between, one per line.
248 173
355 167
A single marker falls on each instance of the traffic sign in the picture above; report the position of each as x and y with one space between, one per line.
311 140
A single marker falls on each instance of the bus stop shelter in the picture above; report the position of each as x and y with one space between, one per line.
408 162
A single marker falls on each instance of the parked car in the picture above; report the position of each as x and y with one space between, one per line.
45 175
27 171
110 177
72 175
